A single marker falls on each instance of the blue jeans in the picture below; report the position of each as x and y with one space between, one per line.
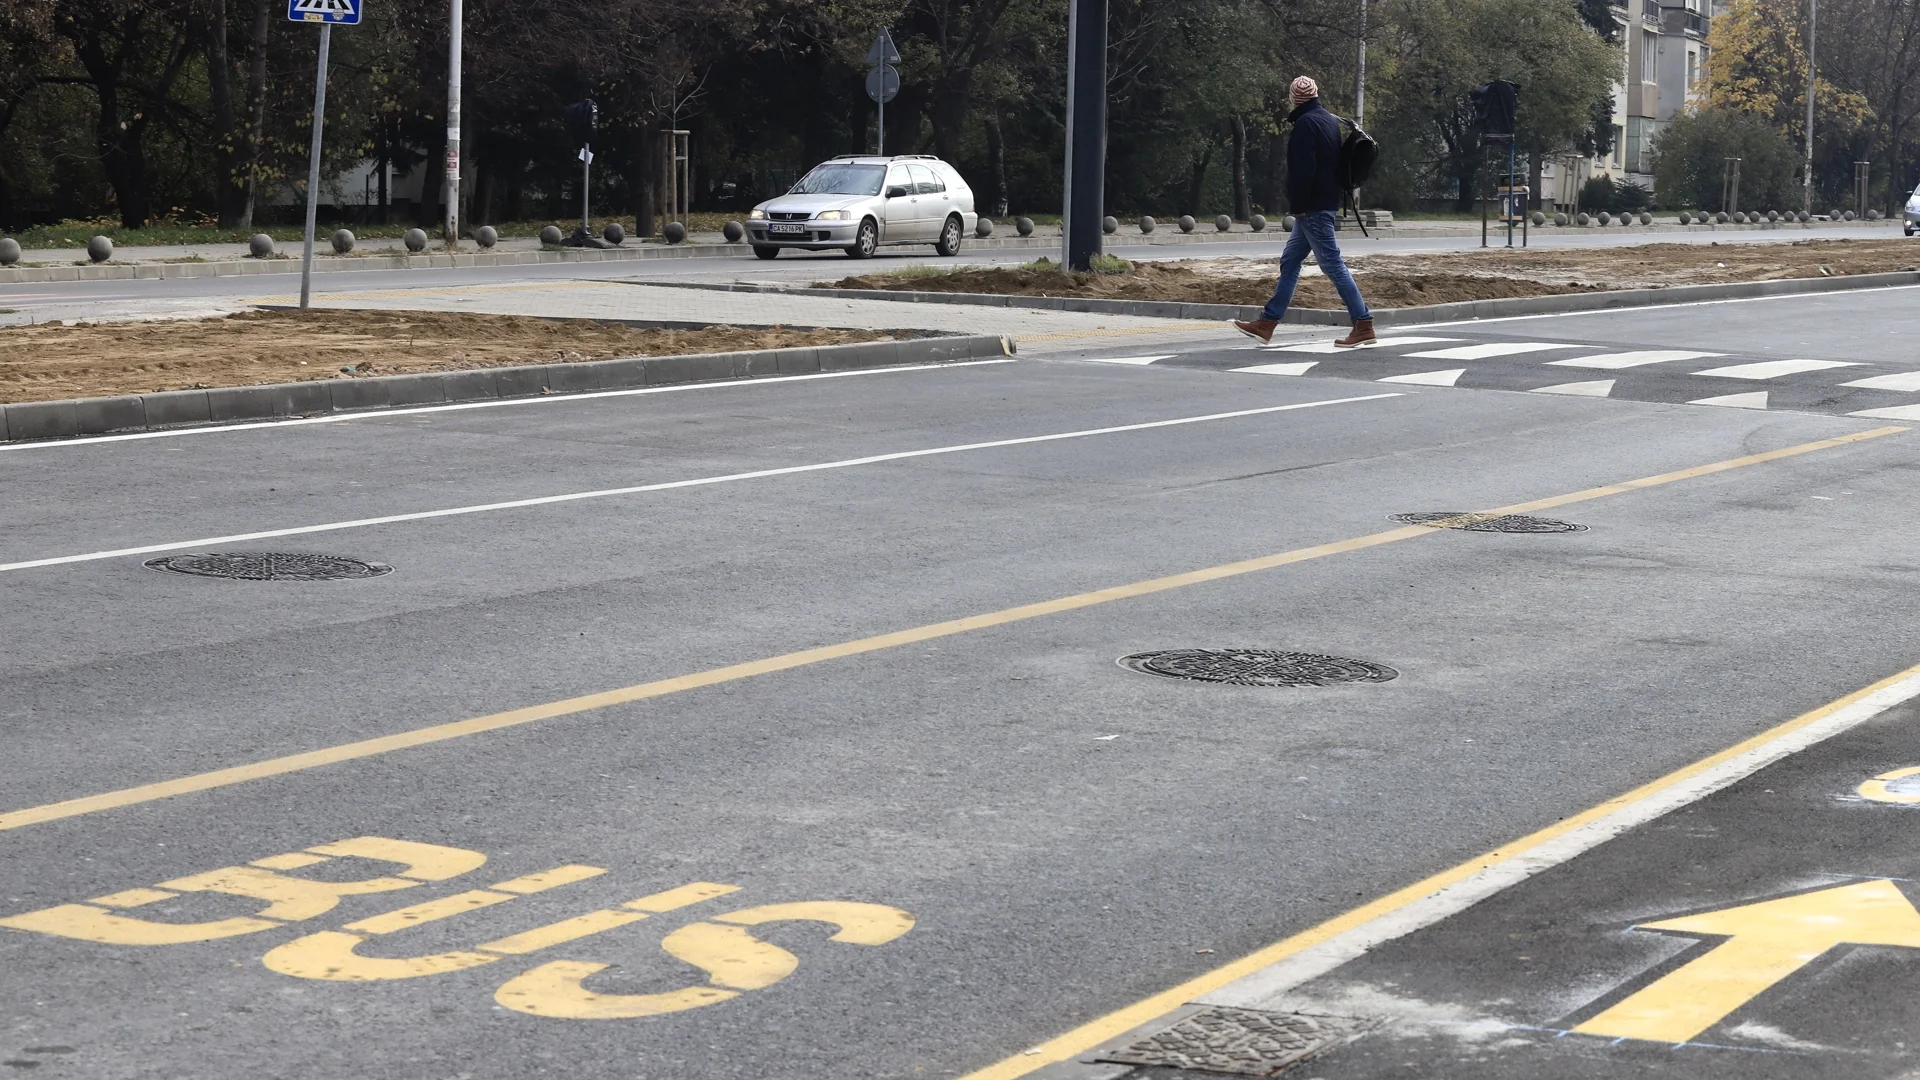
1314 232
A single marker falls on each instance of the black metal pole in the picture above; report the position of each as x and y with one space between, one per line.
1086 172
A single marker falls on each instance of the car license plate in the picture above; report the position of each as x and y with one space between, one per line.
781 228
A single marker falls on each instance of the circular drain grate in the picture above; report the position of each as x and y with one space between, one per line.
1256 667
1500 523
269 566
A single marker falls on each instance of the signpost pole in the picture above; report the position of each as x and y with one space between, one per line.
313 161
1085 204
457 16
880 131
586 188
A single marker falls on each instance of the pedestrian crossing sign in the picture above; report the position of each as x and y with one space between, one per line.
338 12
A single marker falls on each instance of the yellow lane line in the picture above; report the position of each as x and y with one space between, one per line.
1095 1032
386 744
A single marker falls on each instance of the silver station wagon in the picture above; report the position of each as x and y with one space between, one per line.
859 203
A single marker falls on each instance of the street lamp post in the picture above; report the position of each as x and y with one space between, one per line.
453 127
1085 202
1813 44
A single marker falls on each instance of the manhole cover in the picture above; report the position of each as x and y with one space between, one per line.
1241 1042
1501 523
1257 667
269 566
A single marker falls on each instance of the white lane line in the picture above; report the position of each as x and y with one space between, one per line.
499 403
1427 378
1898 412
1597 388
1755 400
1616 361
705 481
1138 361
1908 381
1265 989
1493 349
1300 368
1329 347
1773 369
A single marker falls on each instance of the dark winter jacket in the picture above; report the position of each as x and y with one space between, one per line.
1313 159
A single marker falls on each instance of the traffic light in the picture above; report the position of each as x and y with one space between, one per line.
1494 106
583 119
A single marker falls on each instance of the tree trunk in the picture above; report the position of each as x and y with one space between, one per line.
641 182
1242 199
427 212
996 165
257 108
1534 169
1276 181
230 193
1196 184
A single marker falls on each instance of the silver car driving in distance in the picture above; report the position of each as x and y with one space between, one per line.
859 203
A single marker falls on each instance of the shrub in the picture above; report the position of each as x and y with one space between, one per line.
1690 157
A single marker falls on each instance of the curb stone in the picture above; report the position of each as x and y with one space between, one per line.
1433 313
276 401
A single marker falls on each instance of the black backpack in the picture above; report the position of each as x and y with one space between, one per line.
1358 154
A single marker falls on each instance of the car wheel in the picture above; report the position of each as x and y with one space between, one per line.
766 251
1909 230
866 242
949 238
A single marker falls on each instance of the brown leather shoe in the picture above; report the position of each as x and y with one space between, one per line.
1260 330
1362 334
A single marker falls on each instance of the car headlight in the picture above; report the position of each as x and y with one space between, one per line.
757 214
830 215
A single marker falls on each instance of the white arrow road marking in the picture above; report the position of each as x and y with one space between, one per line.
1138 361
1597 388
1428 378
1906 380
1615 361
1754 400
1773 369
1280 369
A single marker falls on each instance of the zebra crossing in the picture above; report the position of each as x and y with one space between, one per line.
1675 376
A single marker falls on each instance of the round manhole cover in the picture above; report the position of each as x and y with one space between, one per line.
269 566
1500 523
1257 667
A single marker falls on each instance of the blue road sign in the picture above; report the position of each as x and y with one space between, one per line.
337 12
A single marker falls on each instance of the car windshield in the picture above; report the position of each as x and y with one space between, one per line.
841 180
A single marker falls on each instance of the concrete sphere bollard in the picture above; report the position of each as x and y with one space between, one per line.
733 231
1186 222
550 236
9 251
1849 215
1805 217
1646 218
1582 219
1287 223
1739 217
1833 215
983 228
1109 224
260 245
1626 219
1223 223
486 236
1721 218
342 241
1147 223
100 249
1684 218
1873 215
614 233
1023 226
1538 218
1560 219
674 231
1605 218
416 240
1257 223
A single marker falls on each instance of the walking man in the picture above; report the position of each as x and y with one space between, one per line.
1313 193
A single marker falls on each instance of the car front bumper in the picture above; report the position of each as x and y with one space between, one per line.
819 235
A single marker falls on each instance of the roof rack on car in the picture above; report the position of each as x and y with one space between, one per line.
896 157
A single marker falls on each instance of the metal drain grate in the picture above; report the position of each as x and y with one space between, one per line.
1242 1042
1256 667
1500 523
269 566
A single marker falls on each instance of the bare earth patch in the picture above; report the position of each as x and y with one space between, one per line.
51 362
1395 281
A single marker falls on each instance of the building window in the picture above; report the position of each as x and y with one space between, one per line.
1693 69
1649 56
1619 145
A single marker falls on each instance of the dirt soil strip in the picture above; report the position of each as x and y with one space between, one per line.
50 362
1398 281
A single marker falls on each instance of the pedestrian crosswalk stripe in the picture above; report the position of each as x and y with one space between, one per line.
1755 400
1905 380
1597 388
1278 369
1382 343
1428 378
1898 412
1615 361
1140 361
1493 349
1773 369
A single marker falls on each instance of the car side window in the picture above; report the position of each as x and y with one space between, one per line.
924 181
897 178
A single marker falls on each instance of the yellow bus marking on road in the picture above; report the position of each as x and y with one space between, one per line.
425 736
1766 942
1877 790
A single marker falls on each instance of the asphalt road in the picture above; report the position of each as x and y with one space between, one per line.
858 688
